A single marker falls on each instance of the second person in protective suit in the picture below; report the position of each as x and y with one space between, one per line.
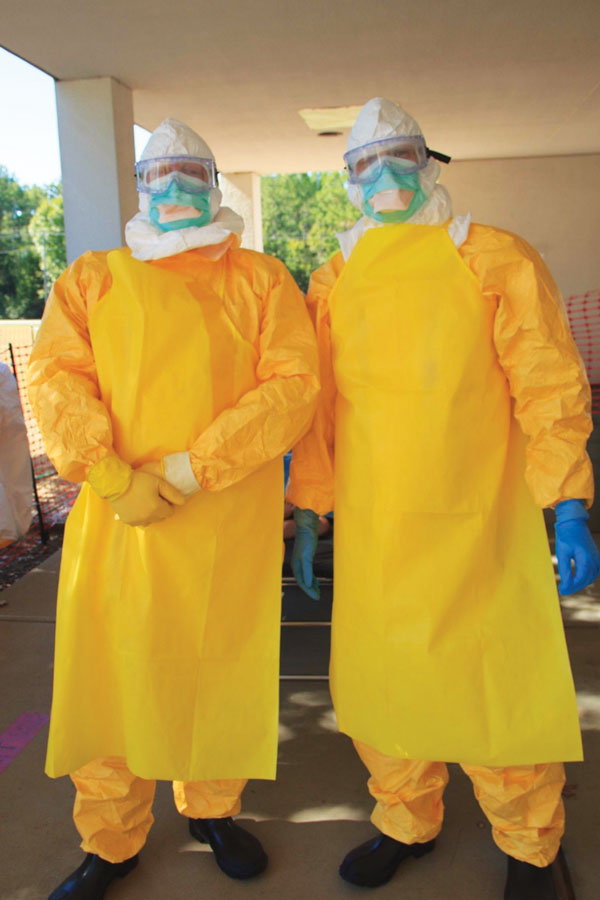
454 407
170 377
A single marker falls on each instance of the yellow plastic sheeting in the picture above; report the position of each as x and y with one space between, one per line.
113 808
168 636
523 803
447 641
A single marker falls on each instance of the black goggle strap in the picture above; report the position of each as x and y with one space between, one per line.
441 157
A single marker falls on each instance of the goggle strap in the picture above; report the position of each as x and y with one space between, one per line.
441 157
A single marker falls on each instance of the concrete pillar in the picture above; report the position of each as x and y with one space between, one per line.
95 129
241 191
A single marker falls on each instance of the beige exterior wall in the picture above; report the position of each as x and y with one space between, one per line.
553 202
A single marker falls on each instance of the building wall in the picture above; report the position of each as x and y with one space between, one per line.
553 202
18 332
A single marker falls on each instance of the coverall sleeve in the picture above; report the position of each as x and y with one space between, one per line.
542 364
63 384
271 417
312 468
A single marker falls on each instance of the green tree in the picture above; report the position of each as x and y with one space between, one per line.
47 231
32 245
333 213
301 215
21 293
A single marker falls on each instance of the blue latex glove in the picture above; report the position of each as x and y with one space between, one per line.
305 545
574 542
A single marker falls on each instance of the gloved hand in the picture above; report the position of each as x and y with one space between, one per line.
305 545
574 542
175 468
156 467
148 499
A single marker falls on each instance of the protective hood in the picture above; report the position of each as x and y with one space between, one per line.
146 240
380 118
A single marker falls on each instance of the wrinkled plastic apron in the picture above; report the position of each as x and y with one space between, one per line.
447 640
168 636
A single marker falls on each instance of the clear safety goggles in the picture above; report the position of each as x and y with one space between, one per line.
191 173
400 154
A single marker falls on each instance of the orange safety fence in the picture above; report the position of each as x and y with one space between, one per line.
583 311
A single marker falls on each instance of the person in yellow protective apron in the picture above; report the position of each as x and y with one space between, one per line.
454 405
170 377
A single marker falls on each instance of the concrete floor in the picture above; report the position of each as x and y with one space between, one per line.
316 811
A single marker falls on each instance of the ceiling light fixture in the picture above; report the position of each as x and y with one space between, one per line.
330 118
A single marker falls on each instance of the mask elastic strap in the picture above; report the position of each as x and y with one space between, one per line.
441 157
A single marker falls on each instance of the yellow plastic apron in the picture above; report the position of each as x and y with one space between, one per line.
447 640
168 636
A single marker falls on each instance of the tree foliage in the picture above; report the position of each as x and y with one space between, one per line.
47 231
301 215
27 216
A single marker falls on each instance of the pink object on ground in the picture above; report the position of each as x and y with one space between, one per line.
18 735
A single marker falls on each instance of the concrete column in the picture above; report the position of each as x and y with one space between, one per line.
241 191
95 129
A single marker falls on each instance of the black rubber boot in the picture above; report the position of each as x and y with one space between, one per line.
92 878
237 852
527 882
374 862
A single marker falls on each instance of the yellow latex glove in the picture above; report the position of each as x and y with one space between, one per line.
149 498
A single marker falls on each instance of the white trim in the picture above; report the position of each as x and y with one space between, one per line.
179 473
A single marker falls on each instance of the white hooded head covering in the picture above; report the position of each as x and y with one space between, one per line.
378 119
147 240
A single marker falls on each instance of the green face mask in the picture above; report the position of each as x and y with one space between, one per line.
387 181
176 197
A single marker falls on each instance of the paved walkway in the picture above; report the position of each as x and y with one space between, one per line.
307 820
